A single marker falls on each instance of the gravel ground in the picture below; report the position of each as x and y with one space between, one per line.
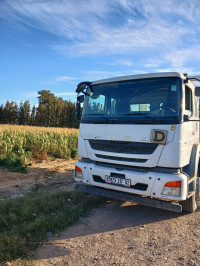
120 233
116 233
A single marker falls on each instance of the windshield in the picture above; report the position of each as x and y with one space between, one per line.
153 100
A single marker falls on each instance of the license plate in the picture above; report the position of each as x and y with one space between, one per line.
118 181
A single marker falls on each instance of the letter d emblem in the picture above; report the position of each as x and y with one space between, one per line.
159 136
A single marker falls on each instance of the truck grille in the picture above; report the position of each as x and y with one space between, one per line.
123 159
123 146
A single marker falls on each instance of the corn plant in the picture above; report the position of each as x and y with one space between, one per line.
23 142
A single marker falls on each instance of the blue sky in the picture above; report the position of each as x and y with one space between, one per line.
53 45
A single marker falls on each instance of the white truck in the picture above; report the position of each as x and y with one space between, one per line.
139 139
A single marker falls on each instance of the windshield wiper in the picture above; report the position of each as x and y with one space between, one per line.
97 114
102 115
143 114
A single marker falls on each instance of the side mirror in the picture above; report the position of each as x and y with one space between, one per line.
82 86
186 118
80 98
197 91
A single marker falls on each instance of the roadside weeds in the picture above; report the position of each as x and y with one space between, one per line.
27 222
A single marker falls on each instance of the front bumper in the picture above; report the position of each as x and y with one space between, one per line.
153 181
160 204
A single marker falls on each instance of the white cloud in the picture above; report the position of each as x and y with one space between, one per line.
59 79
180 57
125 40
150 65
118 27
121 62
64 79
92 75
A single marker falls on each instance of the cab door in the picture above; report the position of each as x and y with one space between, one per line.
196 105
189 129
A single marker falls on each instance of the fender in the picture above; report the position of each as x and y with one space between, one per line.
192 168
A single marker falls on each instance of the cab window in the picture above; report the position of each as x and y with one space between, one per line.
188 101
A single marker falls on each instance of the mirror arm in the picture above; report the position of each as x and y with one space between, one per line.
78 111
85 93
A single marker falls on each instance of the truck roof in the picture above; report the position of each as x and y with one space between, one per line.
141 76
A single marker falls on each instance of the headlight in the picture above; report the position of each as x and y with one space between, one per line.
78 173
172 189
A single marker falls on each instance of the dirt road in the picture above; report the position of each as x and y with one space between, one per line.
116 233
48 174
120 233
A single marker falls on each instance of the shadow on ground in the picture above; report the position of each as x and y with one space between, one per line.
113 216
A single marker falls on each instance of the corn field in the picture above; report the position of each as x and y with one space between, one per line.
25 142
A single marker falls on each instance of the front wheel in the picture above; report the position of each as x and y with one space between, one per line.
190 204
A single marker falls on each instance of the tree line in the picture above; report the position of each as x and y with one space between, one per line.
50 112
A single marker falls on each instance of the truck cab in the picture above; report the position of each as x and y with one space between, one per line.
139 138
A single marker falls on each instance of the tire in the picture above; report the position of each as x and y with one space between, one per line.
190 204
197 192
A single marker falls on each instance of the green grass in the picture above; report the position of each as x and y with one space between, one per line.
13 165
24 222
